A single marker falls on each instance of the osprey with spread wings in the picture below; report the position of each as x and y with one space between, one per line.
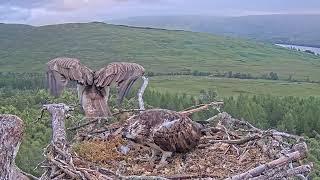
93 87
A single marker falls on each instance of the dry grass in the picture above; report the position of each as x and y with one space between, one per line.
218 160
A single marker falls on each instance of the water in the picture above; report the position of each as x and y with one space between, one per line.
302 48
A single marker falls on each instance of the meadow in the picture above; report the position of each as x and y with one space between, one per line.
232 87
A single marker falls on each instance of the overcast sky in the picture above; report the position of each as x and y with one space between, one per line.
40 12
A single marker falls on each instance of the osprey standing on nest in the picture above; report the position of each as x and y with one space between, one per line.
93 87
163 131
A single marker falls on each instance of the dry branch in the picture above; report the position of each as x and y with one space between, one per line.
234 141
141 91
284 160
195 109
99 118
60 160
286 174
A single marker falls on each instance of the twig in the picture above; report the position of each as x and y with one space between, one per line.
255 172
30 176
179 177
99 118
216 104
41 115
82 125
129 110
294 172
142 178
286 135
228 136
236 141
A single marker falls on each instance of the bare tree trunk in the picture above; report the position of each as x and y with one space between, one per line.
59 163
58 147
58 113
141 91
11 132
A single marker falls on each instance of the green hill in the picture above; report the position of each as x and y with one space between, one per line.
286 29
26 49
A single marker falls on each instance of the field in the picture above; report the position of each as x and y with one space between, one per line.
232 87
27 48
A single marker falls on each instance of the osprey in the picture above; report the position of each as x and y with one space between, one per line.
93 87
163 131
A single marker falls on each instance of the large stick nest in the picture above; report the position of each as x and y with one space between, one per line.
230 148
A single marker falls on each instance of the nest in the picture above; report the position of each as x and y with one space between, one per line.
229 149
218 160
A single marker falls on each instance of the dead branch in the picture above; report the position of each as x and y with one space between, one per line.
59 159
98 119
142 178
235 141
82 125
179 177
191 110
141 92
285 159
41 115
286 174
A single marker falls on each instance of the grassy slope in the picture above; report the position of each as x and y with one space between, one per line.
27 49
292 29
231 87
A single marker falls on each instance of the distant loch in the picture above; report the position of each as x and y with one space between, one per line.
302 48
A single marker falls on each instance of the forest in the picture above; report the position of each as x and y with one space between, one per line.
25 97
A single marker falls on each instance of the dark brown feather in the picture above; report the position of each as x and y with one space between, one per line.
95 102
167 129
93 87
122 73
61 70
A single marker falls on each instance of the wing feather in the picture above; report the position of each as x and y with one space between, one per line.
122 73
124 88
61 70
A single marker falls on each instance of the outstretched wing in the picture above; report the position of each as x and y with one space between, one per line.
61 70
122 73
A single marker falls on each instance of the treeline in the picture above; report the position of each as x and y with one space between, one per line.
34 81
229 74
22 80
292 114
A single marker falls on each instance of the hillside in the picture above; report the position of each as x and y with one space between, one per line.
286 29
27 49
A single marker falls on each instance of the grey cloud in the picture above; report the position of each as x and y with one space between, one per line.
24 3
13 14
59 11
